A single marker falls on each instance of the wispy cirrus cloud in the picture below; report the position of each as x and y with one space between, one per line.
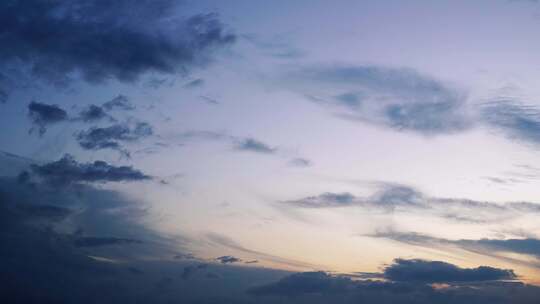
490 247
514 119
243 144
390 197
404 99
397 98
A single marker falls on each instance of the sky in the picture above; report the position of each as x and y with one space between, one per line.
262 151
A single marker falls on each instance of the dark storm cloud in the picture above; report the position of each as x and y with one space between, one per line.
68 171
102 241
101 39
97 138
527 246
254 145
51 259
416 270
395 197
515 120
120 102
43 115
398 98
228 259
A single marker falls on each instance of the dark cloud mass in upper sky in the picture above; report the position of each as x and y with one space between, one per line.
101 40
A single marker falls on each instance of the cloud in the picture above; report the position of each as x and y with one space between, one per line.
48 212
491 247
194 83
515 120
93 113
68 171
41 229
303 283
188 272
97 138
209 100
463 285
102 241
396 98
43 115
401 198
254 145
416 270
529 246
251 262
325 200
53 269
120 102
228 259
350 100
249 144
226 242
101 40
300 162
389 197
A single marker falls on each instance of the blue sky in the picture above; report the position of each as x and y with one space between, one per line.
355 138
